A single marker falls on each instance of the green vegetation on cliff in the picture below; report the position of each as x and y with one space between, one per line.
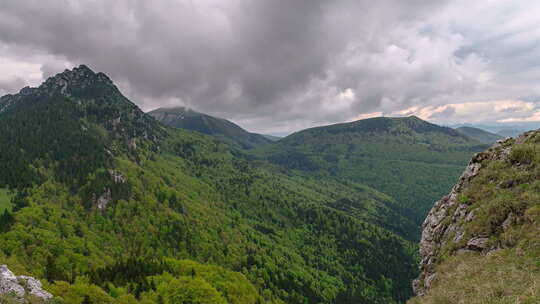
500 207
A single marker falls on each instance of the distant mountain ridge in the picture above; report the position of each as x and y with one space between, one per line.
480 135
412 160
502 130
185 118
510 132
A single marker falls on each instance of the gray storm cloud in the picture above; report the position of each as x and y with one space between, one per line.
278 66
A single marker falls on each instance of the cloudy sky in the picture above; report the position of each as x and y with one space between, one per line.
277 66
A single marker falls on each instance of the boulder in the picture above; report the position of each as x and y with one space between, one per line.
9 285
18 287
33 287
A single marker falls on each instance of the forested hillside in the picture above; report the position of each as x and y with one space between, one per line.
105 205
409 159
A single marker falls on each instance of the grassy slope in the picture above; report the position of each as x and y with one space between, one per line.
510 274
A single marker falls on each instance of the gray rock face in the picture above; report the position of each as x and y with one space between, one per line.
64 84
33 287
104 200
20 286
479 243
443 223
9 285
117 177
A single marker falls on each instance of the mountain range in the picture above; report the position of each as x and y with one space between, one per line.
407 158
480 135
503 130
107 204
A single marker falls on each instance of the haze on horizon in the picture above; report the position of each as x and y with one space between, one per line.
281 66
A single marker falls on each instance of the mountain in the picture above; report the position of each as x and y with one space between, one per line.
480 242
272 137
103 204
223 129
510 132
479 134
409 159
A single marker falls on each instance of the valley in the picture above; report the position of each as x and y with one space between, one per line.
108 205
101 186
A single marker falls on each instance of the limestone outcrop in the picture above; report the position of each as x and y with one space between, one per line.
19 288
444 222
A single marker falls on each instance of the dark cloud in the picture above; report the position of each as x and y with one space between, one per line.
270 65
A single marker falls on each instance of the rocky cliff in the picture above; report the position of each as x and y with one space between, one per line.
20 288
491 211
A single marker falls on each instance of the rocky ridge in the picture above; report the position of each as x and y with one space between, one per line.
19 288
444 222
98 100
66 84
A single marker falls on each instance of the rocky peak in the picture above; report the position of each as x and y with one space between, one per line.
75 83
96 95
79 78
19 288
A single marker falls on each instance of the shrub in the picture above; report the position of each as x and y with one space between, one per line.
523 154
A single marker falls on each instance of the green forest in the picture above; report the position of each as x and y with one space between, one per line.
108 206
409 159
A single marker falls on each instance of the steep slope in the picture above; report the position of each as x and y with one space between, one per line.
51 124
180 117
407 158
109 206
480 243
479 134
